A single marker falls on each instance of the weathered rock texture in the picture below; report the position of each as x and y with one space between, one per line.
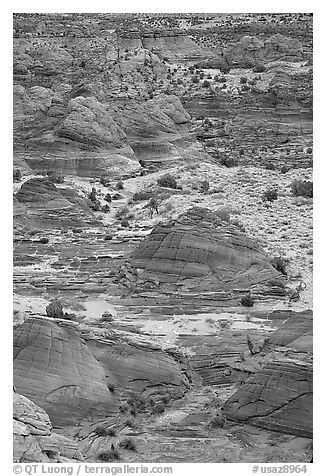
278 397
201 252
56 370
296 332
49 206
33 439
141 368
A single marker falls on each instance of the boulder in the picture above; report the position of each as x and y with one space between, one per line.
278 397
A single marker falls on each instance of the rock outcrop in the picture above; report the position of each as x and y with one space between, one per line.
278 397
202 253
141 369
56 370
295 332
33 438
48 206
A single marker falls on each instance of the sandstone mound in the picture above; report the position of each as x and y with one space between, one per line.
33 439
203 253
56 370
278 397
49 206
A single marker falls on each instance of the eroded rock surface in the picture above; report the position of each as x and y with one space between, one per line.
201 252
278 397
34 440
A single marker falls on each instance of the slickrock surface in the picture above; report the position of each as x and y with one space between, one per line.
141 369
278 397
56 370
49 206
34 440
200 252
296 332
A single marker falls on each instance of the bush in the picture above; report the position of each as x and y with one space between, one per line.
108 456
218 421
279 264
302 188
54 309
243 80
223 213
108 198
259 68
195 79
201 75
206 84
143 195
17 175
309 150
270 166
167 181
204 186
247 301
101 431
270 195
55 178
120 185
284 169
229 161
44 241
128 444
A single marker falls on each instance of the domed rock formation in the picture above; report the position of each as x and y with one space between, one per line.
56 370
33 439
202 253
278 397
49 206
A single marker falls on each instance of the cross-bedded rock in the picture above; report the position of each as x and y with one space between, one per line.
201 252
278 397
56 370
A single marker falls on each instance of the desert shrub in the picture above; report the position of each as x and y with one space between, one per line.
284 169
17 175
128 444
107 456
158 408
201 76
302 188
279 264
204 186
54 309
120 185
247 301
167 181
101 431
123 213
44 240
195 79
223 213
105 209
259 68
106 317
108 198
142 195
55 177
179 81
245 87
243 80
228 161
206 84
270 166
270 195
309 150
124 223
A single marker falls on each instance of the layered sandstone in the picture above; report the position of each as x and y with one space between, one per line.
201 252
56 370
278 397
